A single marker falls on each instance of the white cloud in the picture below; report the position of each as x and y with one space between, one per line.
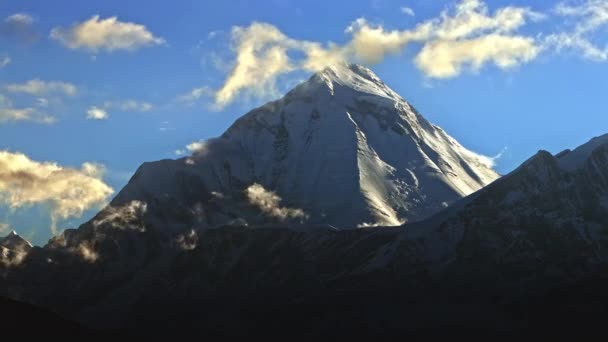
8 113
42 102
490 161
4 61
96 113
589 17
20 18
261 55
447 58
108 34
464 37
194 147
40 87
269 203
372 43
130 105
25 114
68 191
138 106
18 27
408 11
196 94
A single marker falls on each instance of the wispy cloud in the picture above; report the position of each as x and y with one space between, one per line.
490 161
18 27
4 61
589 17
108 34
407 11
9 113
25 114
195 94
129 105
39 87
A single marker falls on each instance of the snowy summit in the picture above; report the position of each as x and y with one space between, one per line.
341 148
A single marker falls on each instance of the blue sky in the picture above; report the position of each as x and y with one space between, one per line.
528 75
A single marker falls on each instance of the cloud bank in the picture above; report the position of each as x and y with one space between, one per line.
108 34
67 191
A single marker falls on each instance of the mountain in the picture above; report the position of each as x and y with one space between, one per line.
550 214
13 248
340 142
14 241
526 253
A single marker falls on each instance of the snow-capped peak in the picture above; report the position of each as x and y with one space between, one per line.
356 77
14 241
341 147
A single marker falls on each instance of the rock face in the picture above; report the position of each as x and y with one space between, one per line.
341 142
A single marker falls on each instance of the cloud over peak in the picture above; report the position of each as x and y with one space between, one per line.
108 34
463 37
